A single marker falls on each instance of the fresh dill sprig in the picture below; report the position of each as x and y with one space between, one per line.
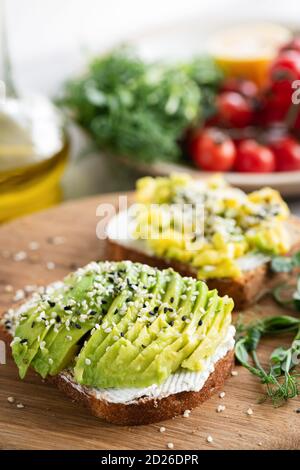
279 378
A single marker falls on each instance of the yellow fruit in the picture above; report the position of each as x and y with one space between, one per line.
247 50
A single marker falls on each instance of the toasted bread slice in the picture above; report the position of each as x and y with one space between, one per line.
146 402
145 410
244 290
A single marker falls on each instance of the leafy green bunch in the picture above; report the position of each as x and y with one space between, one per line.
138 109
279 376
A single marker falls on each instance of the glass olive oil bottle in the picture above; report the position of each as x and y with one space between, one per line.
33 153
33 145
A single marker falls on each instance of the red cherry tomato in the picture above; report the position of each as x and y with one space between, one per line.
254 158
286 67
294 45
246 88
287 154
233 109
213 150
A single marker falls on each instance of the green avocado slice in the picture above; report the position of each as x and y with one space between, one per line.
121 325
100 341
31 333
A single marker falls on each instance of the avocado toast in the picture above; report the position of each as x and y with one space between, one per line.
230 249
133 343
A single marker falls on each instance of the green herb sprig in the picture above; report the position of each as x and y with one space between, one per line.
138 109
287 294
279 377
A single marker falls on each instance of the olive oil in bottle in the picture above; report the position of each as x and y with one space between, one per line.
33 144
33 154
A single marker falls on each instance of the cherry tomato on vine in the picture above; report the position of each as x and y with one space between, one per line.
212 150
286 67
246 88
254 158
293 45
234 110
287 154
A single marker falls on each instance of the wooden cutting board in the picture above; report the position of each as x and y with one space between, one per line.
49 420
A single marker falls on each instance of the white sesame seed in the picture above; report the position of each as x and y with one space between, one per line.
249 411
30 288
107 330
220 408
8 288
69 338
10 399
50 265
20 256
33 246
222 395
88 361
20 405
187 413
19 295
170 445
259 443
234 373
50 360
58 240
209 439
115 338
42 344
162 429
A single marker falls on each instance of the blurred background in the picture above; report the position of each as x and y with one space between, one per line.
46 158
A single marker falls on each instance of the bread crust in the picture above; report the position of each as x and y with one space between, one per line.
244 291
145 410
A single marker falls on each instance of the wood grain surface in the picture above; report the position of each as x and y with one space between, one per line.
49 420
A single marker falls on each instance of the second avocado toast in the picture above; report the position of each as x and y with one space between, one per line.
231 251
133 343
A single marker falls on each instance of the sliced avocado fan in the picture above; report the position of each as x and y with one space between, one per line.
120 324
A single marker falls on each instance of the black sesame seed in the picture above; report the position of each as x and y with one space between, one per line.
156 309
32 324
77 326
200 322
58 319
116 311
23 341
122 334
171 323
172 300
104 302
152 313
92 312
144 305
166 309
52 304
171 309
183 318
143 346
67 307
